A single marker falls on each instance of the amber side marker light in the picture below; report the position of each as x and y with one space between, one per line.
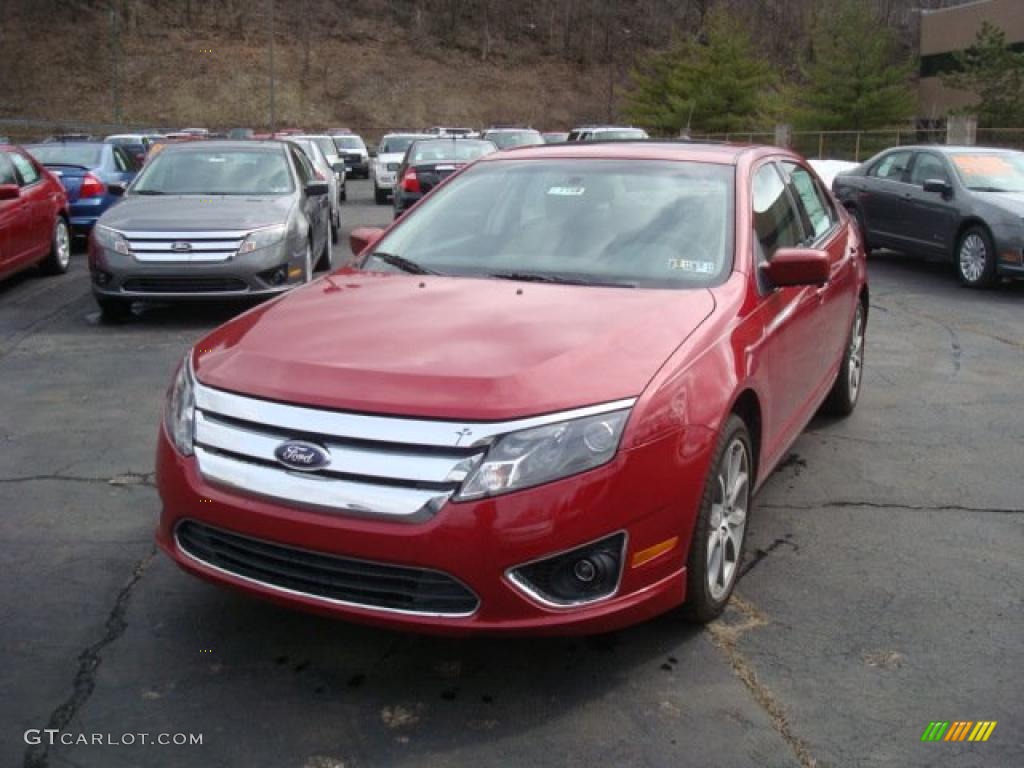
645 556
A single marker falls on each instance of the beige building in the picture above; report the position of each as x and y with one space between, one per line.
949 30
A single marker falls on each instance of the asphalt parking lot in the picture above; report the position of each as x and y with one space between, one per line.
883 586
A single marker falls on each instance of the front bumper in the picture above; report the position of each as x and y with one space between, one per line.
475 543
119 275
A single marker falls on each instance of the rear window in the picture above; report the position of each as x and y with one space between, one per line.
86 155
394 144
506 139
451 151
349 142
619 135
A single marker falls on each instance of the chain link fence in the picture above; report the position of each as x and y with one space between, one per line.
860 145
26 130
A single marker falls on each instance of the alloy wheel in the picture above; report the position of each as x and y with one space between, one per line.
728 519
62 244
855 353
973 256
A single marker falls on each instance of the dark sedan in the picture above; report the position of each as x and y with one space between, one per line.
88 170
429 161
963 204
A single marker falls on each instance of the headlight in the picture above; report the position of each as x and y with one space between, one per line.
263 238
111 239
542 454
179 413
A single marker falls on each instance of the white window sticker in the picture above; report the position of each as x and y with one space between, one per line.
688 265
566 191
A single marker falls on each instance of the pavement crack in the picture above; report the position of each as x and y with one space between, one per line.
762 553
845 503
31 328
122 479
725 636
89 660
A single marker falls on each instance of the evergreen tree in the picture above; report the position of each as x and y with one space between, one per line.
716 84
996 74
855 77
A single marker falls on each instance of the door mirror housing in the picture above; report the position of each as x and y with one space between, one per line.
9 191
797 266
115 189
938 186
363 238
314 188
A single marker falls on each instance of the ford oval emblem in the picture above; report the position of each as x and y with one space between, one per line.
303 456
181 246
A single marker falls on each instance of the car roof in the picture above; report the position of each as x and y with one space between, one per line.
70 143
223 144
947 149
724 154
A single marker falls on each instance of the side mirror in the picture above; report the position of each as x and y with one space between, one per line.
797 266
938 186
363 237
117 190
314 188
9 191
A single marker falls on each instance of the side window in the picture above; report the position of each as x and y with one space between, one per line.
27 171
776 222
820 214
7 175
928 166
119 160
303 167
891 167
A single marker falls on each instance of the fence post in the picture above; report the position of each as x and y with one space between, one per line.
856 149
821 145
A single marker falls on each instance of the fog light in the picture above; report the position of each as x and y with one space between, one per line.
580 576
100 277
276 276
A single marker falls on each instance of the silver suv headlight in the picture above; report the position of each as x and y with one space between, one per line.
263 238
111 239
179 412
542 454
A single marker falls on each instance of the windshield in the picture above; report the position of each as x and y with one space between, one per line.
87 155
390 145
619 135
449 151
213 172
991 171
639 223
506 139
348 142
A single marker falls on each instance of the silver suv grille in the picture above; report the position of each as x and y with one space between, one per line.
185 247
381 466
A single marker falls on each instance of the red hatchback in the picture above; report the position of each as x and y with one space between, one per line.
33 215
541 402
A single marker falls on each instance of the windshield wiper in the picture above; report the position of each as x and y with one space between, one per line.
402 263
549 277
147 192
988 189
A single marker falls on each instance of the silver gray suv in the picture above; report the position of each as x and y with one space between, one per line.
212 220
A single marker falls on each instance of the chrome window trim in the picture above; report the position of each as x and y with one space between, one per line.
387 429
182 234
568 605
322 492
331 600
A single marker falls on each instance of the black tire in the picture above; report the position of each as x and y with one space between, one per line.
380 196
335 228
976 268
701 604
324 261
58 259
113 309
344 193
859 218
845 392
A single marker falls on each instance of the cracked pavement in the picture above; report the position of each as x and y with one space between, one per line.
882 587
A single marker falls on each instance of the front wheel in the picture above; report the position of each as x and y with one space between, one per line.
716 549
842 398
976 258
59 258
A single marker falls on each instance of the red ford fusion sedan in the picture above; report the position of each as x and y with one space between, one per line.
539 403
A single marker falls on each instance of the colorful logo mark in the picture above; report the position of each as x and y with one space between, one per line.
958 730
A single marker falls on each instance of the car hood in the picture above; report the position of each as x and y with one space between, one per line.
189 213
445 347
1011 202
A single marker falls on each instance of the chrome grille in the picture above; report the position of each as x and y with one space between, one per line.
185 247
382 466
